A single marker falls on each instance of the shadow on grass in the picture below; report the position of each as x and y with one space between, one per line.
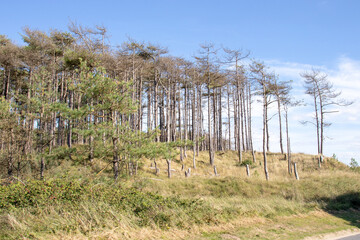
345 206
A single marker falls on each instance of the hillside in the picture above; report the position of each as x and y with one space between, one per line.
83 202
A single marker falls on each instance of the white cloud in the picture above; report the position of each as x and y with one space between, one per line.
343 137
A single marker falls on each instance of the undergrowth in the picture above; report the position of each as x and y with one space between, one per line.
83 201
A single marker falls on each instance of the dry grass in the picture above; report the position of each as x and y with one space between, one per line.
247 207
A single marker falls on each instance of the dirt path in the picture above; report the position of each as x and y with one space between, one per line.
334 236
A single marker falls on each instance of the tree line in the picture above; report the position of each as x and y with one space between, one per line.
64 91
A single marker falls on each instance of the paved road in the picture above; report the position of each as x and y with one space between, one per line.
354 237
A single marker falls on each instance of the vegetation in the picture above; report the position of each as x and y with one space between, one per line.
95 142
83 202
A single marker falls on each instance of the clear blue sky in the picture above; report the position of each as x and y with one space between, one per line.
289 35
306 31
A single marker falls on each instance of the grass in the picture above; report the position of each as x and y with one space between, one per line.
80 202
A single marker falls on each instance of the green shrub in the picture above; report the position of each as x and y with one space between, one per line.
147 208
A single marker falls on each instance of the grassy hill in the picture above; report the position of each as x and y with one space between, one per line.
83 202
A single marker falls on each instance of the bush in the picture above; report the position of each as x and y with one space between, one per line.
147 208
246 162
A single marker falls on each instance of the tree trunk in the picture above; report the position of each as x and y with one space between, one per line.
317 125
185 119
239 140
280 127
229 116
264 131
220 140
211 153
296 172
168 161
288 143
156 106
115 158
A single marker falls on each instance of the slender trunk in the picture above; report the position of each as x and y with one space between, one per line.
211 154
321 126
215 125
229 117
249 118
71 106
267 129
245 129
220 141
6 86
280 127
115 158
168 114
239 126
241 111
247 170
91 138
236 132
264 132
296 172
317 125
168 161
200 120
194 126
288 142
185 118
162 117
149 128
156 106
140 105
180 131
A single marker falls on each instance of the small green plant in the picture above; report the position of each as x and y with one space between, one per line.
245 162
354 165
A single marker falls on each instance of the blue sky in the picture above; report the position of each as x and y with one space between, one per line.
290 36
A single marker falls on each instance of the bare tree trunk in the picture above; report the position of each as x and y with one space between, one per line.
267 130
168 161
241 110
236 132
247 170
115 158
249 118
149 125
229 116
185 118
211 151
296 172
220 141
156 106
239 126
264 132
200 119
288 143
71 105
91 138
6 85
245 129
215 120
321 125
139 123
194 126
168 114
317 125
280 128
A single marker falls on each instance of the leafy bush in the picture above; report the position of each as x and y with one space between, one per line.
39 193
147 208
246 162
354 165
